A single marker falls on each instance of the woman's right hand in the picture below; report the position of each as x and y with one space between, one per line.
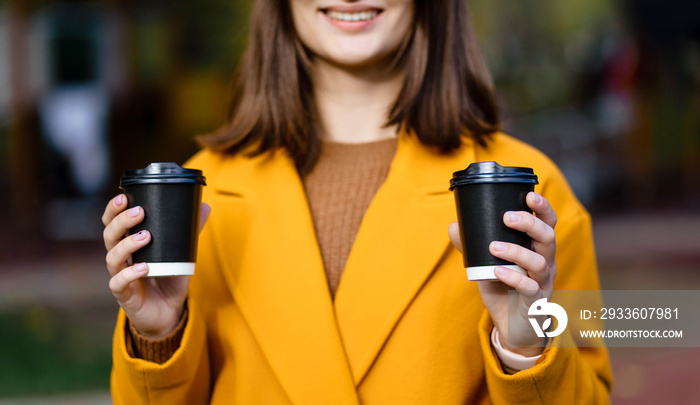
153 305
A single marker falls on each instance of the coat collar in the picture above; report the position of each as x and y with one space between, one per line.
400 241
319 348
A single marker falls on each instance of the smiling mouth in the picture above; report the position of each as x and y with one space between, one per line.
365 15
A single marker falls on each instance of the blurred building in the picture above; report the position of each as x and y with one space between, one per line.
92 88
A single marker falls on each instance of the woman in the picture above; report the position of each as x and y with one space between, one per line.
348 119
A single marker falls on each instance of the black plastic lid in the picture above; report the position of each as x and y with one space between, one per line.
159 173
492 172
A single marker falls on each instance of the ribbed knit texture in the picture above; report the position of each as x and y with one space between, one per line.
339 189
156 350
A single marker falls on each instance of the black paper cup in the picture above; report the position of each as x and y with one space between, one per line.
170 197
483 193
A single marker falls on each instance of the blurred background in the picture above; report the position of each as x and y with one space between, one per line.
609 89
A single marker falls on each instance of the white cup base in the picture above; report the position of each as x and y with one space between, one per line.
170 269
476 273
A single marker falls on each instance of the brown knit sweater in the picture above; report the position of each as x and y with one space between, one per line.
339 190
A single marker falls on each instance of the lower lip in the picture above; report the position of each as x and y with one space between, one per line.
351 25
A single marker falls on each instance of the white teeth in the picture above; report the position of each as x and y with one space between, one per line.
351 17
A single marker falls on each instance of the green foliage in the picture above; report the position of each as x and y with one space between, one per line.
205 32
46 351
538 49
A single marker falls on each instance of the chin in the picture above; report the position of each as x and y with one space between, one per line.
357 60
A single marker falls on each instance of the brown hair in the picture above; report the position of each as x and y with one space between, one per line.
447 91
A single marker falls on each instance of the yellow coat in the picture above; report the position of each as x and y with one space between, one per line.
406 327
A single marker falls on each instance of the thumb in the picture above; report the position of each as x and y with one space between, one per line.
204 212
453 231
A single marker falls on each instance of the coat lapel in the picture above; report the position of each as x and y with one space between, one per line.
275 272
264 234
401 239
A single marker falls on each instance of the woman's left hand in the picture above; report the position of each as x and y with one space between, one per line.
538 283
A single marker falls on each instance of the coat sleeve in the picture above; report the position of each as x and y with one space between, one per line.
564 374
183 379
186 377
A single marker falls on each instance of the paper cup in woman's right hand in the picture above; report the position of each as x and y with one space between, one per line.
484 192
170 197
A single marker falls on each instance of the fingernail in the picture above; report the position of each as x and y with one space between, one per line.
513 217
134 212
500 271
118 200
141 267
538 199
498 246
141 236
